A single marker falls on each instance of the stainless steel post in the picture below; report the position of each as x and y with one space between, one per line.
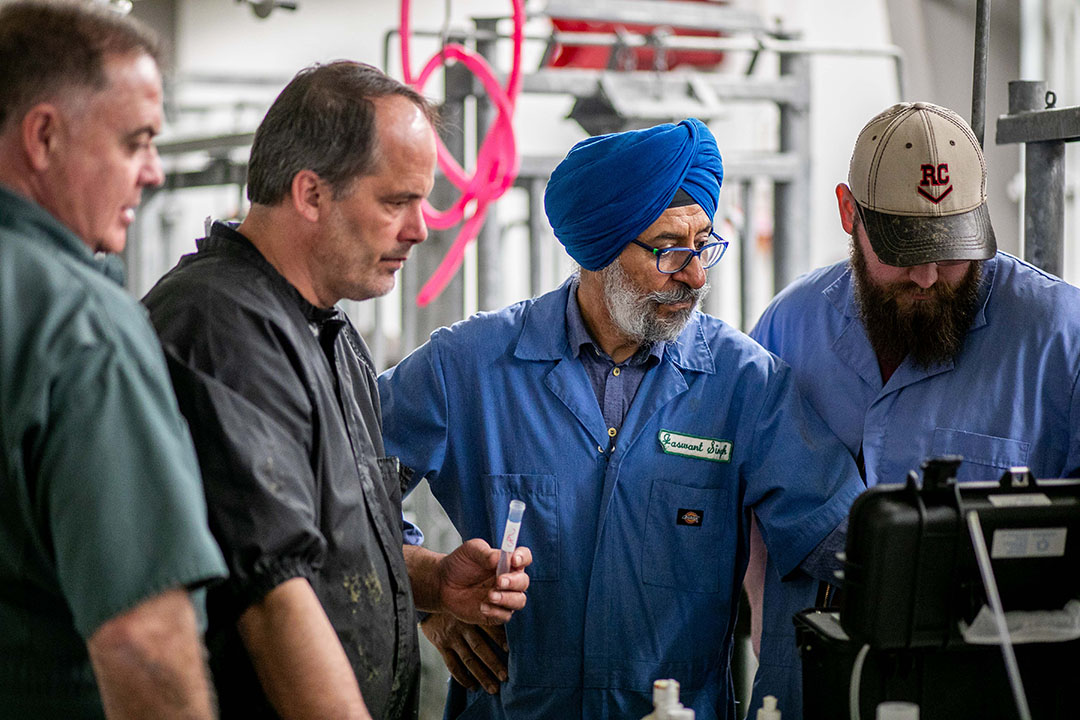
792 198
488 241
1044 184
746 240
978 79
538 238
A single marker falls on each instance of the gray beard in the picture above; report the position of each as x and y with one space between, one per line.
637 314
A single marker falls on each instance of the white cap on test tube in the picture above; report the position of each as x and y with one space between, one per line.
517 509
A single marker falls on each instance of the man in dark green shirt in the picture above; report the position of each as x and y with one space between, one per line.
103 525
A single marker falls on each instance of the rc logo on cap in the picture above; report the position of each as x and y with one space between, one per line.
935 176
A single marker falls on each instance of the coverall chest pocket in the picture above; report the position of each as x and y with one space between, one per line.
684 537
985 456
539 525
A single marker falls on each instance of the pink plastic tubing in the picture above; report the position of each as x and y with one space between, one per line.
497 161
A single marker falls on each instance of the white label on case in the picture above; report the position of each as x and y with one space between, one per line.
1020 500
1028 542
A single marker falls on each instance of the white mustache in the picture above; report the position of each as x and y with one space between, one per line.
679 295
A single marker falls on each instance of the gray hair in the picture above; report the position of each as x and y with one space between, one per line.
48 48
323 121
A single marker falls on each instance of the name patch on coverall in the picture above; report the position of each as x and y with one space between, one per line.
695 447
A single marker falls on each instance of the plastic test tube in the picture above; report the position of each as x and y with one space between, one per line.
510 536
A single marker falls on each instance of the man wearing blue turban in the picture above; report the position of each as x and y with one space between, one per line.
639 432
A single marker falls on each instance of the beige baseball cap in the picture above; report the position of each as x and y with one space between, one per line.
919 177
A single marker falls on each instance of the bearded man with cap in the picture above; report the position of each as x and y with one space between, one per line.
927 341
639 432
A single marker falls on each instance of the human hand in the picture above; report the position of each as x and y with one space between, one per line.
472 653
469 590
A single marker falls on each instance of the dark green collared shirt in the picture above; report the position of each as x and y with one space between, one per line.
100 501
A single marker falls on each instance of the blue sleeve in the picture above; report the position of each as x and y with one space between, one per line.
802 480
761 332
410 533
413 398
779 670
1072 464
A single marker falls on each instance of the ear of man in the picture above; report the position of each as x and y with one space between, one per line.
310 195
40 134
845 202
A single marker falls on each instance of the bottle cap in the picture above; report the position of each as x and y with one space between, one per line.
665 693
897 711
768 710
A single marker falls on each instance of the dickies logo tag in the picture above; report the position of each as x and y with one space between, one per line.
689 517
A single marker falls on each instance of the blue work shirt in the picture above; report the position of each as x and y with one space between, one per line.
638 549
1009 397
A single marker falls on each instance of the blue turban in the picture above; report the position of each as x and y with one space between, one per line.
610 188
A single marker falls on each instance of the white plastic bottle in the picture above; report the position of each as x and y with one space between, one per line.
768 709
666 705
897 711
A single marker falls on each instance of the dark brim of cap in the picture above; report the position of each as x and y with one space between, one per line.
906 240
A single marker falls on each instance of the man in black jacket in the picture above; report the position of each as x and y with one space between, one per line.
317 619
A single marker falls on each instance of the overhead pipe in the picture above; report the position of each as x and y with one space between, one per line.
978 80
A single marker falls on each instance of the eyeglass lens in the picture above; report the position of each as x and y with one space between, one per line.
673 260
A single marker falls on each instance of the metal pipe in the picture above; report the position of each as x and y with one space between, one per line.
746 239
1044 200
754 44
537 237
488 241
791 200
1044 184
978 81
629 38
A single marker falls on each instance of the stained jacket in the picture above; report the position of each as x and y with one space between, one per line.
282 401
640 540
1010 397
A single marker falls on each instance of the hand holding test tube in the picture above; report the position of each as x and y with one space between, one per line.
510 536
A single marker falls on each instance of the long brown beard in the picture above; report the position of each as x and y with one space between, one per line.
931 331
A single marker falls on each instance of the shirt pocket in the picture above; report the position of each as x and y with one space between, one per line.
993 454
539 524
684 538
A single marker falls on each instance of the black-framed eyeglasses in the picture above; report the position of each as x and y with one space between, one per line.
673 259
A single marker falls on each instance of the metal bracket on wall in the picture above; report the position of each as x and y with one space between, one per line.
1044 130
